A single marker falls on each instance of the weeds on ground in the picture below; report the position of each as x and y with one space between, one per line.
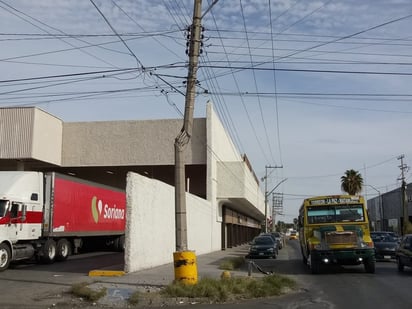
231 288
135 298
232 263
83 290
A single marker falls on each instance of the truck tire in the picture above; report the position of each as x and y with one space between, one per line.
5 256
48 252
119 243
369 265
63 249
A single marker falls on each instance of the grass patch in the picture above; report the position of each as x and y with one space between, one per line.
231 288
135 298
232 263
83 290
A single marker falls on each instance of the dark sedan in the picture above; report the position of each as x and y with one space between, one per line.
279 239
263 247
404 252
385 244
276 237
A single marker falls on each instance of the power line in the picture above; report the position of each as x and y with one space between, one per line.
42 23
275 86
69 75
256 67
255 83
120 38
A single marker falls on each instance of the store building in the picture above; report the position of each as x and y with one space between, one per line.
106 151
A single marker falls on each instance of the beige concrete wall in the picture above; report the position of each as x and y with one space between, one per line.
145 142
47 137
150 223
30 133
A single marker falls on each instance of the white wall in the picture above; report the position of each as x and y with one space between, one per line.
150 223
228 175
47 137
219 148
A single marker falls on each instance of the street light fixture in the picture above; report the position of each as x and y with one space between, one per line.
379 205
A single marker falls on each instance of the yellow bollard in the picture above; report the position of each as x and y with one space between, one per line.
225 275
185 267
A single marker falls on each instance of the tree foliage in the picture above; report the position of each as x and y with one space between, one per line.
352 182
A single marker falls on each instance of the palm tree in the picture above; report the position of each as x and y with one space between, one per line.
351 182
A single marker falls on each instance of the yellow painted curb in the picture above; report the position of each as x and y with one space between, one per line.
106 273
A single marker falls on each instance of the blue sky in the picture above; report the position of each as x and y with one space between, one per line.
318 87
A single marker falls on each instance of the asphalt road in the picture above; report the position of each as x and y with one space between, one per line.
337 288
37 286
32 285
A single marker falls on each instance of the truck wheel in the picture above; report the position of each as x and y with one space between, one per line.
370 266
48 251
119 243
5 256
63 249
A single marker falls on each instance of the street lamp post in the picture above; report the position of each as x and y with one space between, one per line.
266 193
379 206
266 196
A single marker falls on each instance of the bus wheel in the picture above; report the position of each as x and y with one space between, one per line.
63 249
304 258
5 256
370 266
314 265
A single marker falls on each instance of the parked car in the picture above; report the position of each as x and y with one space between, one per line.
263 247
404 252
276 236
279 239
385 244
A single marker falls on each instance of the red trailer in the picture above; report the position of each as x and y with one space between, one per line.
51 215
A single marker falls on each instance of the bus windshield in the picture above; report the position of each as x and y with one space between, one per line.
335 213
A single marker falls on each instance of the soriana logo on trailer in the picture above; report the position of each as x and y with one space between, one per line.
100 209
82 206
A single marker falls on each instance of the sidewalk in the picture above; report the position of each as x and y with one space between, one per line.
119 289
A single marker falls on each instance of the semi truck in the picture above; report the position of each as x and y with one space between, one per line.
49 216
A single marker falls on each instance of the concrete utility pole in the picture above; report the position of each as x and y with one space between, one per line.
185 134
404 199
266 193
